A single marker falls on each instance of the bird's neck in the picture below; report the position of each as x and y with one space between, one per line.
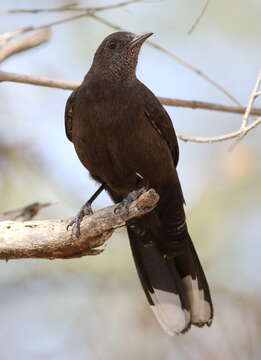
112 73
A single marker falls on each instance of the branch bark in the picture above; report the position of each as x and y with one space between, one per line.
49 239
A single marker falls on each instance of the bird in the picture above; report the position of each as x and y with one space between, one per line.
126 139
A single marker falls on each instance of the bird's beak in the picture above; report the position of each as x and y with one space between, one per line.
139 39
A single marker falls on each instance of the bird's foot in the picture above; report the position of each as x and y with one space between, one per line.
125 203
76 222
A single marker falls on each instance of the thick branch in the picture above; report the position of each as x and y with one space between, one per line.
49 239
23 44
71 85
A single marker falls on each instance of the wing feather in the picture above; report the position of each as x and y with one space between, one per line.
161 122
68 114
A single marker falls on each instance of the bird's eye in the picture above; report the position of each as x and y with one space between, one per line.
112 45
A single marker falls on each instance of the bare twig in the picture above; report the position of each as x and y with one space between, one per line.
244 129
230 136
71 85
254 94
50 239
23 44
196 22
176 58
90 12
38 80
83 12
25 213
70 7
204 105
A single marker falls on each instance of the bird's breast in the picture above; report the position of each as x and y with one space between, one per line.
114 140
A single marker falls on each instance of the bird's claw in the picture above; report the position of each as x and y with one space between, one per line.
125 203
76 222
121 206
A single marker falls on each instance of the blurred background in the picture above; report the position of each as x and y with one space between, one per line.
94 307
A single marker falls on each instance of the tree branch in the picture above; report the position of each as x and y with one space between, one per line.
38 80
244 129
83 12
49 239
254 94
196 22
25 213
91 12
71 85
233 135
70 7
245 119
23 44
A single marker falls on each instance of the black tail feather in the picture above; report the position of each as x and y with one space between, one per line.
176 288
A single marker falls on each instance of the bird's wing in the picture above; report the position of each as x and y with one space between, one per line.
160 120
68 115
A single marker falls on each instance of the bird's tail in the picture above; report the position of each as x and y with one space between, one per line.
176 287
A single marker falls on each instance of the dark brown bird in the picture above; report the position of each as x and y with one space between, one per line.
125 138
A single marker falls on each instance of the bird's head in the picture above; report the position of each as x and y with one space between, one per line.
117 55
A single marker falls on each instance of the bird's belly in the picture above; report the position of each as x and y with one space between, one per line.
118 154
106 158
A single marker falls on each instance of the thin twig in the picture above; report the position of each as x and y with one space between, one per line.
54 23
230 136
244 129
70 7
196 22
254 94
23 44
175 57
71 85
204 105
251 100
25 213
84 12
90 12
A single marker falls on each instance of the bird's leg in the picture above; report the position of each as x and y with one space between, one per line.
133 195
86 209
